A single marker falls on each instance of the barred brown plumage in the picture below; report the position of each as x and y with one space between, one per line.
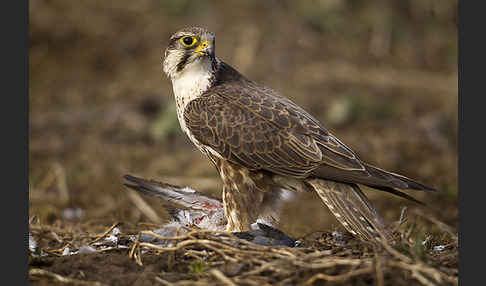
262 143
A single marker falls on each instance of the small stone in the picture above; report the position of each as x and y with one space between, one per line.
232 268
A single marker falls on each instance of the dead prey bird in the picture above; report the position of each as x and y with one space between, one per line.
189 208
264 145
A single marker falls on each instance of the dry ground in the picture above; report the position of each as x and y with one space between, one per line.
425 253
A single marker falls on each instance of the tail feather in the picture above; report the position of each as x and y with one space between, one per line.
373 177
352 209
406 183
398 194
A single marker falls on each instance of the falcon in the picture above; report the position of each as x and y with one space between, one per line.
264 145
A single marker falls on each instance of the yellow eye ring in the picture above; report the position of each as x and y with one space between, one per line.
188 41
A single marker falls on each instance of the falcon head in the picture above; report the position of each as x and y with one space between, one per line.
189 47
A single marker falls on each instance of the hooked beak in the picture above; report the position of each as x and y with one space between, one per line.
203 49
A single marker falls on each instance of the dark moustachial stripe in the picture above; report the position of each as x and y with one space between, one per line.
183 62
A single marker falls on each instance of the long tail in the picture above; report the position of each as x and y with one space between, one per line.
352 209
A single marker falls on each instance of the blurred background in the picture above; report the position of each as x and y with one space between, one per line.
381 75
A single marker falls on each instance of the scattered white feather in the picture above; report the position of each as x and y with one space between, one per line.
86 249
439 247
32 243
66 251
115 231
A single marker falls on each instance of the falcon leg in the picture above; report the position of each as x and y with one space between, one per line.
236 211
242 199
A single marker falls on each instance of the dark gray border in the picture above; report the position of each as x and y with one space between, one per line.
14 26
471 189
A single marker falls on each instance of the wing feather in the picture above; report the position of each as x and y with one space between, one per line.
263 130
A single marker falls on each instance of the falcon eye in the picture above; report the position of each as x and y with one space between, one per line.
188 41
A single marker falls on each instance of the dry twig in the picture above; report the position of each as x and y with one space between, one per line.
61 279
105 233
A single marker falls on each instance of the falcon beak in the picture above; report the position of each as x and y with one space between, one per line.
203 49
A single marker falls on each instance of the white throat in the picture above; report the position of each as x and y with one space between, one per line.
189 84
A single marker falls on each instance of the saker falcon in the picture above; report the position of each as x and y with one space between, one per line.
264 145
